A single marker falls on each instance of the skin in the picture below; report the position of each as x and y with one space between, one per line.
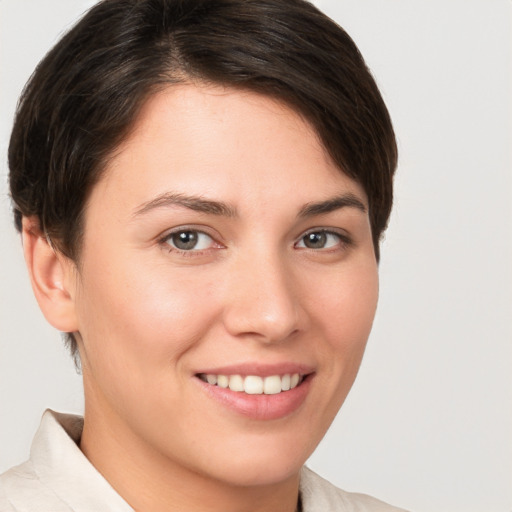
148 317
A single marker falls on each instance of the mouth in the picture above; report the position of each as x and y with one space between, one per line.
260 393
254 384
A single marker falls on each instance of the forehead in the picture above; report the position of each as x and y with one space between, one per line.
203 139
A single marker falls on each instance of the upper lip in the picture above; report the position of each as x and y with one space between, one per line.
260 369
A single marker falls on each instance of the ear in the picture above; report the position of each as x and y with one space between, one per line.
53 277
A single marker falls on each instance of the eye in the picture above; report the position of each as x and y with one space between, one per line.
321 239
189 240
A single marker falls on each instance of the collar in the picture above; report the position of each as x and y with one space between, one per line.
62 467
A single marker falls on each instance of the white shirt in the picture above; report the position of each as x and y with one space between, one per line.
59 478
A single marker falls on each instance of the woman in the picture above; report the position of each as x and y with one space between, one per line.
201 187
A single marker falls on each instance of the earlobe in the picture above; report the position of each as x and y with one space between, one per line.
52 277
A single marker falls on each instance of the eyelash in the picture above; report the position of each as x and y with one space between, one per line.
165 241
344 241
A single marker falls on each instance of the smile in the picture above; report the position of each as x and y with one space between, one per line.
254 384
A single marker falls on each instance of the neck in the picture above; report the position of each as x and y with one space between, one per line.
149 481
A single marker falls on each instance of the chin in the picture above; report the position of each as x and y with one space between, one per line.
260 473
264 462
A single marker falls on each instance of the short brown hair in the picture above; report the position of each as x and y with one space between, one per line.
85 95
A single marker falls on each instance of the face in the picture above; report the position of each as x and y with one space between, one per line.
225 260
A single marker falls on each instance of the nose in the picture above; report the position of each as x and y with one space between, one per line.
261 300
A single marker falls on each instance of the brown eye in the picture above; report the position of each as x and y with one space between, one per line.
185 240
315 240
319 240
189 240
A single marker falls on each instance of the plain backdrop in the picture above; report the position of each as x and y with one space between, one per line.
428 425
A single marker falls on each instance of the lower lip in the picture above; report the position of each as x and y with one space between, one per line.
260 407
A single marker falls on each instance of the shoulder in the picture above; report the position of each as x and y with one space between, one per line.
26 488
29 486
57 477
22 491
319 495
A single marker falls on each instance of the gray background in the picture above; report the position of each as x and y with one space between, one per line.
428 424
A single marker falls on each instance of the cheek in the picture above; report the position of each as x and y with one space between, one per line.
141 320
347 309
348 306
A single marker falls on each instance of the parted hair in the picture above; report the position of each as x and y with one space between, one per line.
84 96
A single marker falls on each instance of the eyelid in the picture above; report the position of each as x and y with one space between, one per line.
345 239
167 235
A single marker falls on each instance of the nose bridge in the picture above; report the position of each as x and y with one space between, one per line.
261 299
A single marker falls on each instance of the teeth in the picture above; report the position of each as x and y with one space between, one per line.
286 382
211 379
272 385
253 384
222 381
236 383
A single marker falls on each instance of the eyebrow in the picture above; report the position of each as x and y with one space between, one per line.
332 204
212 207
196 203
